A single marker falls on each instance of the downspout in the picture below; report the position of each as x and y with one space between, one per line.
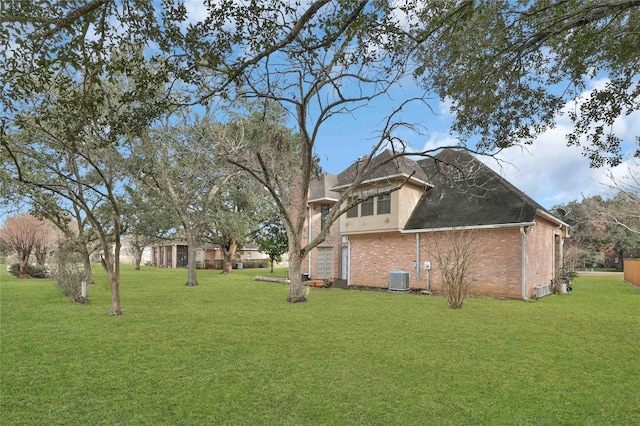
523 232
309 240
560 253
418 257
348 261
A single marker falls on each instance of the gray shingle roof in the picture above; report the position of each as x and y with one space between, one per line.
468 193
320 188
383 165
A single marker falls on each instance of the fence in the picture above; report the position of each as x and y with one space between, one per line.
632 271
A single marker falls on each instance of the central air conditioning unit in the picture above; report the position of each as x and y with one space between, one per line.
399 281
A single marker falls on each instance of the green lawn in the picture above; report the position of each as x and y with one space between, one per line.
233 351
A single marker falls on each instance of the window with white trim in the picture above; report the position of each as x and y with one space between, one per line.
383 201
366 208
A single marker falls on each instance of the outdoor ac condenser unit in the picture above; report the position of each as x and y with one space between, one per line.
399 281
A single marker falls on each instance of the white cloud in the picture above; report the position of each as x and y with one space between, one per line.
438 140
552 173
196 11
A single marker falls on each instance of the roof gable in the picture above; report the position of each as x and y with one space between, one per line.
466 192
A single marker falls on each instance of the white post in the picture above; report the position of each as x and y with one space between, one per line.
83 292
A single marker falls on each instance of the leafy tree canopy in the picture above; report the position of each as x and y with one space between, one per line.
509 68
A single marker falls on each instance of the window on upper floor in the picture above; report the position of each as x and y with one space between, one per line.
383 201
382 204
324 214
366 208
353 211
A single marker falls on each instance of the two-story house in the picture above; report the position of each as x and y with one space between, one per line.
522 243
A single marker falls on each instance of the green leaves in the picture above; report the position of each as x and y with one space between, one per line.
510 69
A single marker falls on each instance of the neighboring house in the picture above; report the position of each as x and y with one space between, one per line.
324 261
614 258
127 257
173 254
522 242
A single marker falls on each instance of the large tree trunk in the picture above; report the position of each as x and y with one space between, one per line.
112 268
192 238
228 253
297 292
24 261
137 257
114 281
86 258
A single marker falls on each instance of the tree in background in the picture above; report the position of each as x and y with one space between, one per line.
271 238
599 225
145 220
23 233
178 164
532 62
48 238
72 223
235 215
624 209
618 218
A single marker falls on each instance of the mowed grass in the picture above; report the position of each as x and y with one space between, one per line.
233 351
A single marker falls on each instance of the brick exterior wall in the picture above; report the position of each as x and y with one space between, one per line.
543 254
497 272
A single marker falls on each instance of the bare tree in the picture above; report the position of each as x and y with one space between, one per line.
340 61
456 252
48 238
624 208
23 233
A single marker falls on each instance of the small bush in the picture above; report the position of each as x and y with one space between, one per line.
33 271
68 273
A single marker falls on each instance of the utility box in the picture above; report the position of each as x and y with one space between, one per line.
399 281
427 266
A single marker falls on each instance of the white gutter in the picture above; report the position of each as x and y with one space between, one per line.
318 200
523 232
309 240
417 257
348 261
552 218
464 228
